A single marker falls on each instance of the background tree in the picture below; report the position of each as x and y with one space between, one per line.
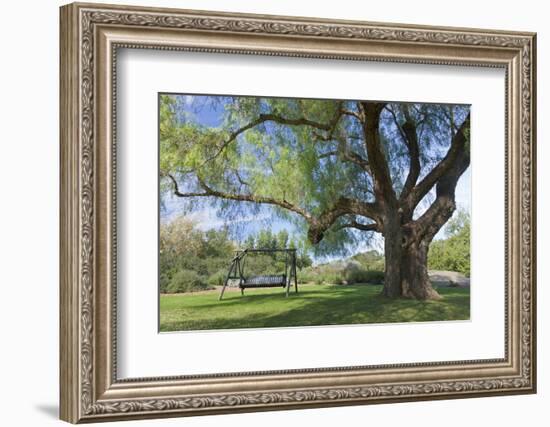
453 252
341 170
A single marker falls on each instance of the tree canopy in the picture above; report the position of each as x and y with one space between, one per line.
306 158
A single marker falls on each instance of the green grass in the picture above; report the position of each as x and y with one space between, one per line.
313 305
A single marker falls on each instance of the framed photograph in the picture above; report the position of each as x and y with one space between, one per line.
266 212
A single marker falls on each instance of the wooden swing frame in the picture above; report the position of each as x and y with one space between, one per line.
236 272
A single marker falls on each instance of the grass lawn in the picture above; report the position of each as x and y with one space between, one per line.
313 305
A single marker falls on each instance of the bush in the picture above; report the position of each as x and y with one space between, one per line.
164 280
370 260
329 279
186 281
218 278
321 276
307 275
365 276
334 279
341 272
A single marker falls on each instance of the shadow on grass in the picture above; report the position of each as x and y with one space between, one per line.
330 305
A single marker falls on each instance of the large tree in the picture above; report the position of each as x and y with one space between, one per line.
342 170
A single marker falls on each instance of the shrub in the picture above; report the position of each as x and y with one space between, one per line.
186 281
307 275
360 275
218 278
164 280
322 275
370 260
334 279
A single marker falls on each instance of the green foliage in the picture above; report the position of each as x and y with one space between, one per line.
186 281
458 222
191 259
258 263
217 278
295 164
184 249
370 260
273 263
453 253
365 268
358 274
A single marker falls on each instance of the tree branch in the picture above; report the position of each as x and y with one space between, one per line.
177 191
383 187
317 225
458 146
343 148
210 192
342 206
409 136
232 138
328 154
396 121
444 205
409 129
373 226
353 114
302 121
270 117
346 154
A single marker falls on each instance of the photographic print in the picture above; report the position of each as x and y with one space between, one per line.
278 212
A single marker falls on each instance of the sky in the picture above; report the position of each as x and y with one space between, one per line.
206 218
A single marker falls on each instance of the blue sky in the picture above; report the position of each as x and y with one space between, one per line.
189 108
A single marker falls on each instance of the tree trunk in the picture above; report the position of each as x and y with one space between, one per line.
415 282
406 267
392 253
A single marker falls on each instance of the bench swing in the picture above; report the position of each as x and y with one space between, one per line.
237 272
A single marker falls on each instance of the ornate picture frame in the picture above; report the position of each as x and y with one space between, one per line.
90 37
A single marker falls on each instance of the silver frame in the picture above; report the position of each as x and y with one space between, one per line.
90 37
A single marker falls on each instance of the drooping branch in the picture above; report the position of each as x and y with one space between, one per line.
210 192
232 138
177 191
241 180
318 225
271 117
344 151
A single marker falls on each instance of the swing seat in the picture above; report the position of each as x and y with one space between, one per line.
265 281
237 272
